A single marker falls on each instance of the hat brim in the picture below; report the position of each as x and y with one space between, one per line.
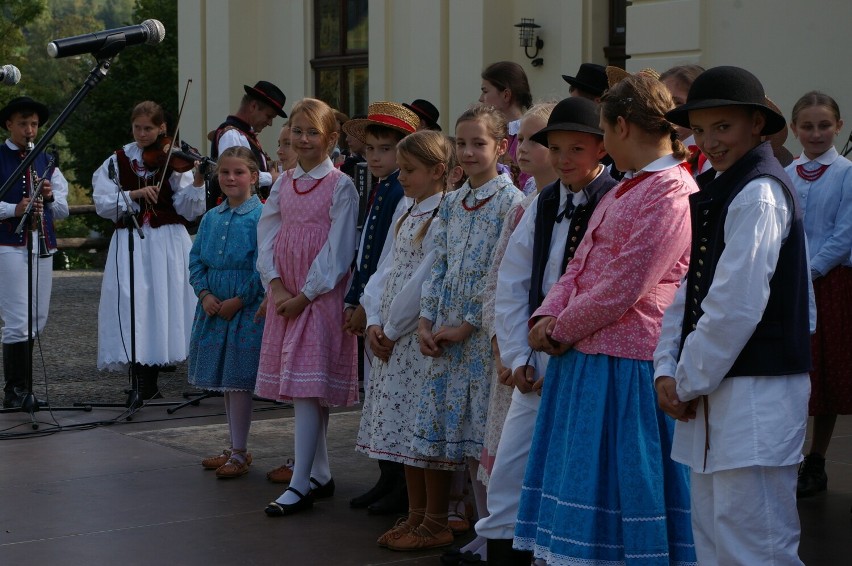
596 90
679 116
357 128
40 109
261 96
432 123
541 135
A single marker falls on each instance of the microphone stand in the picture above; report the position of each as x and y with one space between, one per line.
30 404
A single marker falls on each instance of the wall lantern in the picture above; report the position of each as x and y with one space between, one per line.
526 31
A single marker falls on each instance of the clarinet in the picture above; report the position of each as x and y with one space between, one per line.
43 250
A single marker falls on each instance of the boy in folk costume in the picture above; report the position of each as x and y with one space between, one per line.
22 117
733 359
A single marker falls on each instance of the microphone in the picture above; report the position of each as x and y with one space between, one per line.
9 75
150 32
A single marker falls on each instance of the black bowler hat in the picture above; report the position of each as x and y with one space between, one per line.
727 86
21 104
427 111
268 93
574 114
590 78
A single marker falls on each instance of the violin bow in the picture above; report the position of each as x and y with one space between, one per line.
175 138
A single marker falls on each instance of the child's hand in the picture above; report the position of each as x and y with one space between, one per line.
539 383
428 347
347 316
668 400
293 307
453 334
280 295
149 193
523 378
381 345
261 311
211 304
539 337
357 323
504 374
229 307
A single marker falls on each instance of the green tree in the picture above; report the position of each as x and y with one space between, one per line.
101 123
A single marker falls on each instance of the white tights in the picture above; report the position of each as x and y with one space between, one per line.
311 451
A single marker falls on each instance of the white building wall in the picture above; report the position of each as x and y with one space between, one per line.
792 46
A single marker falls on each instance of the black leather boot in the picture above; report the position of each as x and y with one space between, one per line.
396 499
14 360
383 485
501 553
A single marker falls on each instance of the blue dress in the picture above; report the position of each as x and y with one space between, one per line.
223 355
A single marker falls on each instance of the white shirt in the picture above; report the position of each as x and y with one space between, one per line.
59 186
235 138
827 207
404 312
753 420
335 258
188 200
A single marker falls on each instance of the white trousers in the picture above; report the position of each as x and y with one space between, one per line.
13 293
746 516
510 464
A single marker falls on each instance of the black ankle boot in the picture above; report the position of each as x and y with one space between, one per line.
14 372
396 499
383 485
501 553
812 476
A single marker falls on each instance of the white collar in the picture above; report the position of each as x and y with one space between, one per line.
318 172
11 145
428 204
826 158
661 164
690 141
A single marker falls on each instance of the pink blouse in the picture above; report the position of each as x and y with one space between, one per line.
635 252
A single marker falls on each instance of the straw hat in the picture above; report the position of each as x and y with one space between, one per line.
387 114
728 86
614 75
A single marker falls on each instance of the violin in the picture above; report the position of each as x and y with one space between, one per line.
156 156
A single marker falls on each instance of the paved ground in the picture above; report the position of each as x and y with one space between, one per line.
91 488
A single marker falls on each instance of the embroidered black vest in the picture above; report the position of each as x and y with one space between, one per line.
160 213
10 159
547 208
780 344
234 123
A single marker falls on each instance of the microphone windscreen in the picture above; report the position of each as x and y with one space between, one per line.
156 31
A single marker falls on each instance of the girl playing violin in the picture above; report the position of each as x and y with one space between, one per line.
163 201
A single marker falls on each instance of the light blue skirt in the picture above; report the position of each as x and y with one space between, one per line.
600 485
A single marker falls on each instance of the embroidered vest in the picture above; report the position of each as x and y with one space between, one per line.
780 344
546 211
10 159
160 213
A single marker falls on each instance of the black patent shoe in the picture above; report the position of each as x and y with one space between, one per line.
275 509
812 476
320 491
374 494
395 501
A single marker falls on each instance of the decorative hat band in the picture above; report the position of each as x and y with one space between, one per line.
392 121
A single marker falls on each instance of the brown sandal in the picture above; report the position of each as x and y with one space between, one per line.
401 527
422 537
281 474
215 462
234 467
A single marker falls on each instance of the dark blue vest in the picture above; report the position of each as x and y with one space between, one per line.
780 344
547 209
9 161
376 227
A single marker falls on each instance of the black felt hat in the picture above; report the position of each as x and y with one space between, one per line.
427 111
574 114
590 78
268 93
727 86
21 104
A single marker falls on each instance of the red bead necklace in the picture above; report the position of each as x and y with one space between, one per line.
810 176
477 204
298 192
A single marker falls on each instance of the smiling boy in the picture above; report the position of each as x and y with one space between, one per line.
733 358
